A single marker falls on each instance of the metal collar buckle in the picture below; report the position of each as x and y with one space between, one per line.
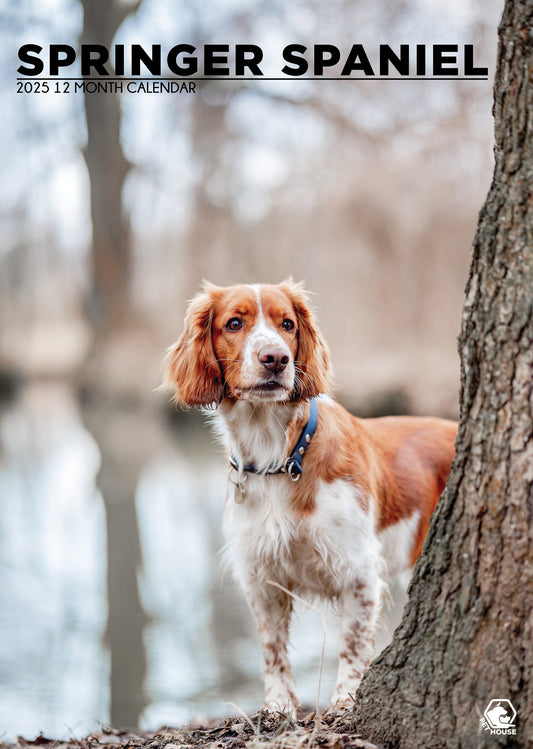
293 470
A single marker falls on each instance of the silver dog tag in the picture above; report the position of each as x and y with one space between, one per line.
239 493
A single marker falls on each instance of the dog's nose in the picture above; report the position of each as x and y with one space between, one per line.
273 359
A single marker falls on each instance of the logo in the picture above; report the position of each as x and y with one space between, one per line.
499 718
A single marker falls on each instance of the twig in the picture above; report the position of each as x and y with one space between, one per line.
254 728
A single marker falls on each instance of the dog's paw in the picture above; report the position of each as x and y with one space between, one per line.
340 705
284 706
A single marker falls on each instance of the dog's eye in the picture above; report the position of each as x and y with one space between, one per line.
287 324
234 324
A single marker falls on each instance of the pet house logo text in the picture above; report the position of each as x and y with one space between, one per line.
499 718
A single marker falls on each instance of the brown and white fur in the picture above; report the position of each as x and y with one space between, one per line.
361 509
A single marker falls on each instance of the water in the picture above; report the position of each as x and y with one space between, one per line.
113 605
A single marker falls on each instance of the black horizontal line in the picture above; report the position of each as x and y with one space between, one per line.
104 79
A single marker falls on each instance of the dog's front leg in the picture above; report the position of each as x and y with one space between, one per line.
361 604
271 609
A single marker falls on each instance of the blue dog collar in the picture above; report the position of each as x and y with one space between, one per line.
293 465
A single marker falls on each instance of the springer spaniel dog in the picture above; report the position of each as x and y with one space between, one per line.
319 501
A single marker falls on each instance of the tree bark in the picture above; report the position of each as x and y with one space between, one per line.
466 636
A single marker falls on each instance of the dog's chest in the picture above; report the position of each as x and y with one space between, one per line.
269 540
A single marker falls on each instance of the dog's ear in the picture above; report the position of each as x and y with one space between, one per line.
313 365
191 365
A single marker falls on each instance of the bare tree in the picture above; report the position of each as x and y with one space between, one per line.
110 412
108 169
466 636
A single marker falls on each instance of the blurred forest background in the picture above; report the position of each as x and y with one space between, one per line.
112 211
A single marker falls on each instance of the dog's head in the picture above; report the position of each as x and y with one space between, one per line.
258 343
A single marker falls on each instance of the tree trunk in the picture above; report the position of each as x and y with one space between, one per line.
108 169
466 636
114 376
